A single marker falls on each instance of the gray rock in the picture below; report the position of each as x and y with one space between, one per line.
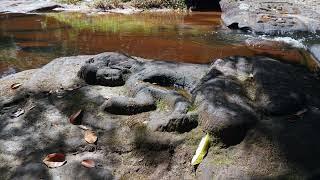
276 16
272 85
315 51
224 109
262 112
27 6
146 82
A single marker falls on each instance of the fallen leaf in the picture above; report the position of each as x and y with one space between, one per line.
76 117
16 85
54 160
201 150
301 112
90 136
297 115
83 127
88 163
18 113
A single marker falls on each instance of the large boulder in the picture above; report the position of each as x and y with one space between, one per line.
237 89
150 116
276 16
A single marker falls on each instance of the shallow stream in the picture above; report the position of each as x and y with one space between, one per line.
31 40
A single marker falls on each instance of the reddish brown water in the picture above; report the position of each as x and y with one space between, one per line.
30 41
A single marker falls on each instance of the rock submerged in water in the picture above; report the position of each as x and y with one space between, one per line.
151 113
272 17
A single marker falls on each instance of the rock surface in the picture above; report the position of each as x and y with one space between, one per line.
27 6
315 51
272 17
149 117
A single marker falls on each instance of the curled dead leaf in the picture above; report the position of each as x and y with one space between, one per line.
88 163
54 160
16 85
76 117
301 112
90 137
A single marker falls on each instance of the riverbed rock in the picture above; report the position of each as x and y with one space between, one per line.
315 51
272 17
27 6
262 115
237 88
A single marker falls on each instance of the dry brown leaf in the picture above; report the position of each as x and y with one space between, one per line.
55 160
90 137
16 85
76 117
88 163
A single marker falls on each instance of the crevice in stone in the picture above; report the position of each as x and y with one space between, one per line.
161 80
204 5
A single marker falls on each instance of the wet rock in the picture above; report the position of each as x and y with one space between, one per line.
276 49
273 16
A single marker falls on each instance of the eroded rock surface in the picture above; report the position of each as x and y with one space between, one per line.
276 16
27 6
150 116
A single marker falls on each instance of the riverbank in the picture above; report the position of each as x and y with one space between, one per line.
149 117
117 115
96 6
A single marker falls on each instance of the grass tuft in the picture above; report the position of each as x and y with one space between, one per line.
108 4
143 4
69 1
148 4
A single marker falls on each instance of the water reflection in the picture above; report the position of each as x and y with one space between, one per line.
30 41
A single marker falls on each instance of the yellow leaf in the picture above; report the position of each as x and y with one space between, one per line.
201 150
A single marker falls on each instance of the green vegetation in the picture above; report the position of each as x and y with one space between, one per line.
108 4
143 4
194 137
161 105
192 108
146 4
69 1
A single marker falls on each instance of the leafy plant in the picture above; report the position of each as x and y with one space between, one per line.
108 4
147 4
69 1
